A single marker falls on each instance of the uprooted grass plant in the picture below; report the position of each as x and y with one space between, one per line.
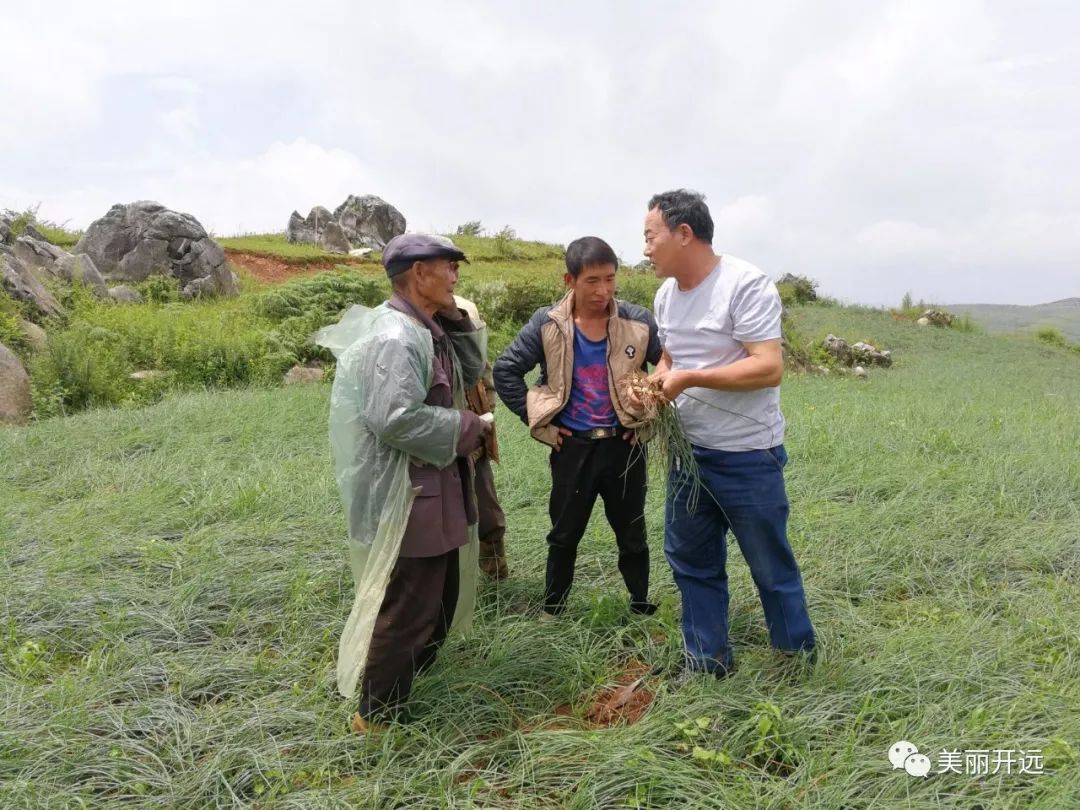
671 450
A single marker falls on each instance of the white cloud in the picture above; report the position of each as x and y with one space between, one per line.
877 147
891 239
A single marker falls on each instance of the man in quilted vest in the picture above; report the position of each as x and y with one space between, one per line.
585 345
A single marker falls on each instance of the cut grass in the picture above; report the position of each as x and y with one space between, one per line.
176 583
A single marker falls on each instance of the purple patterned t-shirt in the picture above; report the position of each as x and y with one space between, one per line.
589 405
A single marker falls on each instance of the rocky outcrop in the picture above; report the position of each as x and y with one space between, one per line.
369 221
857 354
40 255
19 281
37 253
937 317
867 354
839 349
80 268
134 241
366 222
14 389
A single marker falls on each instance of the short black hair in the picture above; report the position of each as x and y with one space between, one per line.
589 251
685 207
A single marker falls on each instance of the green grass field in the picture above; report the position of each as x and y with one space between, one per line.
176 582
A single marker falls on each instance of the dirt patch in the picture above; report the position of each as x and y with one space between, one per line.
622 703
276 270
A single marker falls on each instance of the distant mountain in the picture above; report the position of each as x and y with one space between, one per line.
1063 315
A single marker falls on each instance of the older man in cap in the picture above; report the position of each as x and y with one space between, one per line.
402 437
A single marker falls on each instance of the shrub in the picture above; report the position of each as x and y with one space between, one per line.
796 290
504 242
327 294
470 228
637 288
512 300
83 367
161 289
1052 337
11 334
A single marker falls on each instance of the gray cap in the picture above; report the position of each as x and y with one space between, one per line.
401 251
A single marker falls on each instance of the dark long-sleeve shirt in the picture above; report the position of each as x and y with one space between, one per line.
443 511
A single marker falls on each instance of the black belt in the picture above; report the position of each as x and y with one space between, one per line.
597 433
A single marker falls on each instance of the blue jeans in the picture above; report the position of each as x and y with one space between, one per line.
743 492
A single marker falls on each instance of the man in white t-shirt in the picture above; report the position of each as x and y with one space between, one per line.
719 324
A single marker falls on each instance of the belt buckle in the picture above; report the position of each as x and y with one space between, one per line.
601 433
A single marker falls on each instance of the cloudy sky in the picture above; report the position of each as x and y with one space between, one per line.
878 147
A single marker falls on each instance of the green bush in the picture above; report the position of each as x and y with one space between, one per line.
637 288
161 289
471 228
512 300
796 290
11 334
83 367
215 343
1052 337
328 294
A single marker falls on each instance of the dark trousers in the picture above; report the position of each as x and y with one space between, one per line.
413 621
492 528
746 496
616 471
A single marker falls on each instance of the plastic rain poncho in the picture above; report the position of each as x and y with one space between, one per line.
378 423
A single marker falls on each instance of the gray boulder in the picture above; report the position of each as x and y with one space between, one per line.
122 294
6 237
134 241
318 228
80 268
15 401
865 353
306 230
37 252
839 349
19 281
32 231
938 317
333 239
369 221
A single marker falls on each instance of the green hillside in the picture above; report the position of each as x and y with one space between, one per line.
176 583
1062 315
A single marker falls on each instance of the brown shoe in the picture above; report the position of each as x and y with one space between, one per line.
494 568
361 726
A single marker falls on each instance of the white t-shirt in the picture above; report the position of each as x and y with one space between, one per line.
703 328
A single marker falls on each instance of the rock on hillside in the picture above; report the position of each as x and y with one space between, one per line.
134 241
14 389
19 281
366 222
